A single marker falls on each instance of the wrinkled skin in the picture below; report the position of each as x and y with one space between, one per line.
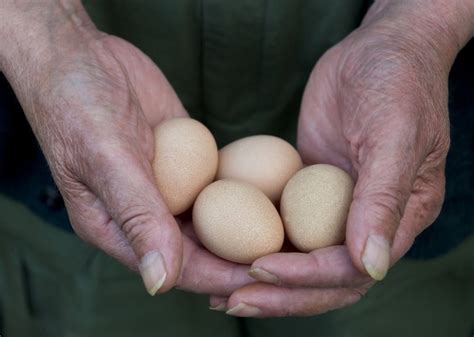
92 101
376 106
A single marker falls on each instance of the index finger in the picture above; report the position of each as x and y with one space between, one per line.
204 273
263 300
328 267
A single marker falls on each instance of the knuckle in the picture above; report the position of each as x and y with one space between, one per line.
442 137
430 192
385 203
435 200
431 204
389 204
136 223
444 143
440 147
73 194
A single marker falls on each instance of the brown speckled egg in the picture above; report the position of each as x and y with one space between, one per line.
266 162
314 206
185 161
237 222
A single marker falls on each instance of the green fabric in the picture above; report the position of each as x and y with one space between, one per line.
433 298
240 66
52 284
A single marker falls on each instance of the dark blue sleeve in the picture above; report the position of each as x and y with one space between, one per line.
5 120
456 220
24 173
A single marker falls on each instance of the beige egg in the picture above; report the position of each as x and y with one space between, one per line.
266 162
314 206
237 222
185 161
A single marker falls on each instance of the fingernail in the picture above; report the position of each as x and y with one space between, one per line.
376 257
263 275
153 271
244 310
219 307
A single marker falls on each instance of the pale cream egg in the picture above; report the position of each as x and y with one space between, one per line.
237 222
185 161
314 206
267 162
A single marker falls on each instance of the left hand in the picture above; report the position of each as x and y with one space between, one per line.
376 106
92 100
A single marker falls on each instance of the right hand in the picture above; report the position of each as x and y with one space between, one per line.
92 100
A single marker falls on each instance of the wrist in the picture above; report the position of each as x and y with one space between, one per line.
441 27
32 32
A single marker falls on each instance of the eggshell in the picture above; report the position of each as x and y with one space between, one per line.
185 161
266 162
237 222
314 206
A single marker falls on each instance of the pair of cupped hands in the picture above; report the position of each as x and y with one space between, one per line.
375 105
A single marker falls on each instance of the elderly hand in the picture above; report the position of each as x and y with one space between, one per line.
376 106
92 100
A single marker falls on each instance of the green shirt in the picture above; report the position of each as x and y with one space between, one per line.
241 68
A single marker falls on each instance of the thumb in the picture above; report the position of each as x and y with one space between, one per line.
129 195
386 176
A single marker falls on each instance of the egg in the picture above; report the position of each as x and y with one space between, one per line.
185 161
237 222
314 206
266 162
